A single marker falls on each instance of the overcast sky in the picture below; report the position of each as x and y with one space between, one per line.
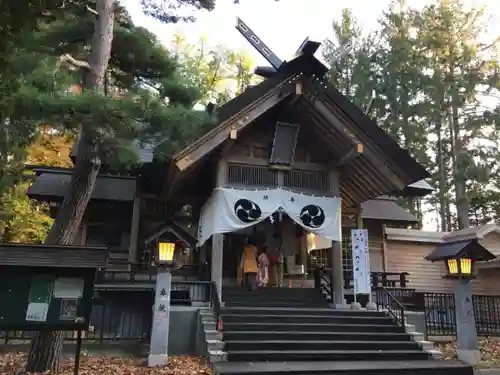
282 25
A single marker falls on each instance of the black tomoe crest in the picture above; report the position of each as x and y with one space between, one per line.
312 216
247 211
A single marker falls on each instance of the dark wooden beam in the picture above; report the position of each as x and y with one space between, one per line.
353 153
376 160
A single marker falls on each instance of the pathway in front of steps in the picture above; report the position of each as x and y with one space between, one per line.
493 371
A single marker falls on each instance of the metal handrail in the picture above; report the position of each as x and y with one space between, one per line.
386 300
215 301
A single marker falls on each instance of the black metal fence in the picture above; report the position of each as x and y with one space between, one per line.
439 309
124 315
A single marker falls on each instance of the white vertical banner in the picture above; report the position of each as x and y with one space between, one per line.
360 261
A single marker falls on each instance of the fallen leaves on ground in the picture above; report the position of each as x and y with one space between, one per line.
489 349
13 364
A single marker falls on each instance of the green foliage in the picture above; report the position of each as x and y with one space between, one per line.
431 70
146 99
217 73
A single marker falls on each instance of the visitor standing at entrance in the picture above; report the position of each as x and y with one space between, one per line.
275 260
248 265
263 275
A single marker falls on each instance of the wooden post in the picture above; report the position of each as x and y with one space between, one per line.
218 238
134 231
336 251
384 248
359 218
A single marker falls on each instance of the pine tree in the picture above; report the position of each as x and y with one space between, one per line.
353 74
399 82
459 68
130 90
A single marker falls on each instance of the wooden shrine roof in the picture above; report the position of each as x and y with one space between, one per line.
35 255
53 184
382 168
386 209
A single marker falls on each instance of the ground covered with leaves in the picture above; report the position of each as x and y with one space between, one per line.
13 364
489 348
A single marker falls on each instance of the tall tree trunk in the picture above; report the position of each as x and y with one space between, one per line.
46 346
442 177
460 174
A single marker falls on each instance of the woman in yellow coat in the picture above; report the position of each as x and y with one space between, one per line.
248 266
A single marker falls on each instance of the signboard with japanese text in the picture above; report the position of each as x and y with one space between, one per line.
36 297
361 261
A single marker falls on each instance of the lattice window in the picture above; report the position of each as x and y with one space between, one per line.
346 249
310 180
317 258
252 175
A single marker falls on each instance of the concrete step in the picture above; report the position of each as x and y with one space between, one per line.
217 356
212 334
278 303
310 327
319 336
251 310
306 318
430 367
311 345
256 296
215 345
273 291
325 355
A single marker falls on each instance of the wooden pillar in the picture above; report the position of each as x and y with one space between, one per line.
359 218
134 231
218 238
216 267
336 252
384 248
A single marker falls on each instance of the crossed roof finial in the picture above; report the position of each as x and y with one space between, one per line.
308 47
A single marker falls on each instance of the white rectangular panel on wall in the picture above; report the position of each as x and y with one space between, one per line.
361 261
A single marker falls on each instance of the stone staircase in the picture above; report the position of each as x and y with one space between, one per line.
293 331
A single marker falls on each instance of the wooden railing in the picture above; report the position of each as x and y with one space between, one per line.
385 279
200 272
322 282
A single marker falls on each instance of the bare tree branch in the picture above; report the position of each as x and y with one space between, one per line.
93 11
68 59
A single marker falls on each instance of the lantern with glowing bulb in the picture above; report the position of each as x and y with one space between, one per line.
165 253
459 267
460 257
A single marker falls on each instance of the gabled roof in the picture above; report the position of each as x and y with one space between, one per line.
418 189
387 210
241 110
53 184
69 256
415 235
382 168
456 249
172 227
